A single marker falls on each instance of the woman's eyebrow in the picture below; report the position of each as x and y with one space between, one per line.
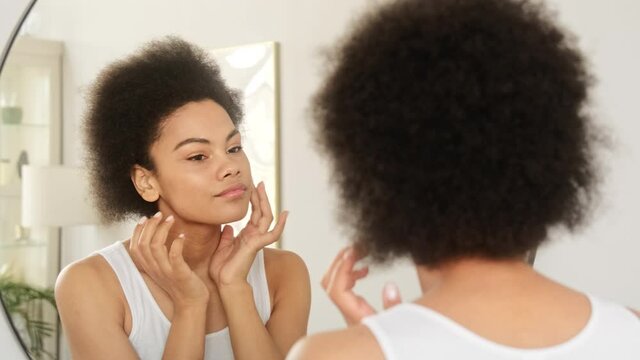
191 140
233 133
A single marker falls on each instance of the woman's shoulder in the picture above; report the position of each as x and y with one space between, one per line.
88 278
355 342
287 278
281 264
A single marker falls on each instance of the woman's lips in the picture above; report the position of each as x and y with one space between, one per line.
233 192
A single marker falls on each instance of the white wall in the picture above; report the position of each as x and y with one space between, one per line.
603 261
604 258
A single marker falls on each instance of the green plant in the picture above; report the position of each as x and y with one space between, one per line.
25 304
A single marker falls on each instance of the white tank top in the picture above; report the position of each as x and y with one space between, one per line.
150 327
410 331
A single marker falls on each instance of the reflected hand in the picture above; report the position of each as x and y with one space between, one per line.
167 268
232 259
339 281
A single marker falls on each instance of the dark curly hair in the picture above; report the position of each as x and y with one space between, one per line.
127 106
457 128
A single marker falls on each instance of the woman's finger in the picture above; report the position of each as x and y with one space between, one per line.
144 242
277 231
390 295
340 279
264 222
158 244
256 214
227 234
353 307
327 275
175 256
134 250
360 273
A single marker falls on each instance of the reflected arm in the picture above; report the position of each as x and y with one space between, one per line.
289 281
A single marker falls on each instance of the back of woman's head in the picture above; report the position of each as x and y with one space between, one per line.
457 128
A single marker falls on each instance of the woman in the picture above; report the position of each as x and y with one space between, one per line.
163 143
459 137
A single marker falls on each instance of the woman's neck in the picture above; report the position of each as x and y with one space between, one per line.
474 274
201 240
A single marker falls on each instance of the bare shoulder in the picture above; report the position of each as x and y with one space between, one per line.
84 271
283 264
278 258
92 306
288 281
89 280
356 342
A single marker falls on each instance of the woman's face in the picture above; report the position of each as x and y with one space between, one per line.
201 172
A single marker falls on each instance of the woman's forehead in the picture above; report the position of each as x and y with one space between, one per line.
203 119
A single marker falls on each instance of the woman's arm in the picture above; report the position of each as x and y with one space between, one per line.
289 280
288 322
229 267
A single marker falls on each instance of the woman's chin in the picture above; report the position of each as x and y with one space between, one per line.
233 215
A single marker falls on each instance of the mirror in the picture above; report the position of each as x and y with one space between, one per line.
97 32
39 218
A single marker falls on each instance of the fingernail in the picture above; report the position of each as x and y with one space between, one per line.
347 253
391 291
158 214
169 218
142 220
181 236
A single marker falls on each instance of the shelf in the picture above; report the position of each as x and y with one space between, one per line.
22 244
26 125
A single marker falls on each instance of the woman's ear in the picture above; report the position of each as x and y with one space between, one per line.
145 183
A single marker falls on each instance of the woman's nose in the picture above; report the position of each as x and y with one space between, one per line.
229 170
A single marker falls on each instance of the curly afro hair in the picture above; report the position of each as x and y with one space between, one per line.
457 128
127 106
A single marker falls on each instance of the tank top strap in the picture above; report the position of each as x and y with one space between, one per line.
131 281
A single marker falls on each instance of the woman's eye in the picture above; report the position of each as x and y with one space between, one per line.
235 149
198 157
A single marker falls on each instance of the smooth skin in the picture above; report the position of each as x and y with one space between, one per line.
195 269
506 302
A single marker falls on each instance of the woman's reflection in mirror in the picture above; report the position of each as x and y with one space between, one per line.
163 146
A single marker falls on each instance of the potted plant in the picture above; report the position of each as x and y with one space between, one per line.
25 305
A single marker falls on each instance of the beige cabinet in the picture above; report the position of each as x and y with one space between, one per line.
30 133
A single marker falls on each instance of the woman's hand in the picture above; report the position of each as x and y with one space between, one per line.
339 281
232 259
167 268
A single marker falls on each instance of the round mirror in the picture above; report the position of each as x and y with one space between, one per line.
47 220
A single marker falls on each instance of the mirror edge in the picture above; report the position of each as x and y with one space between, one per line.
12 345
